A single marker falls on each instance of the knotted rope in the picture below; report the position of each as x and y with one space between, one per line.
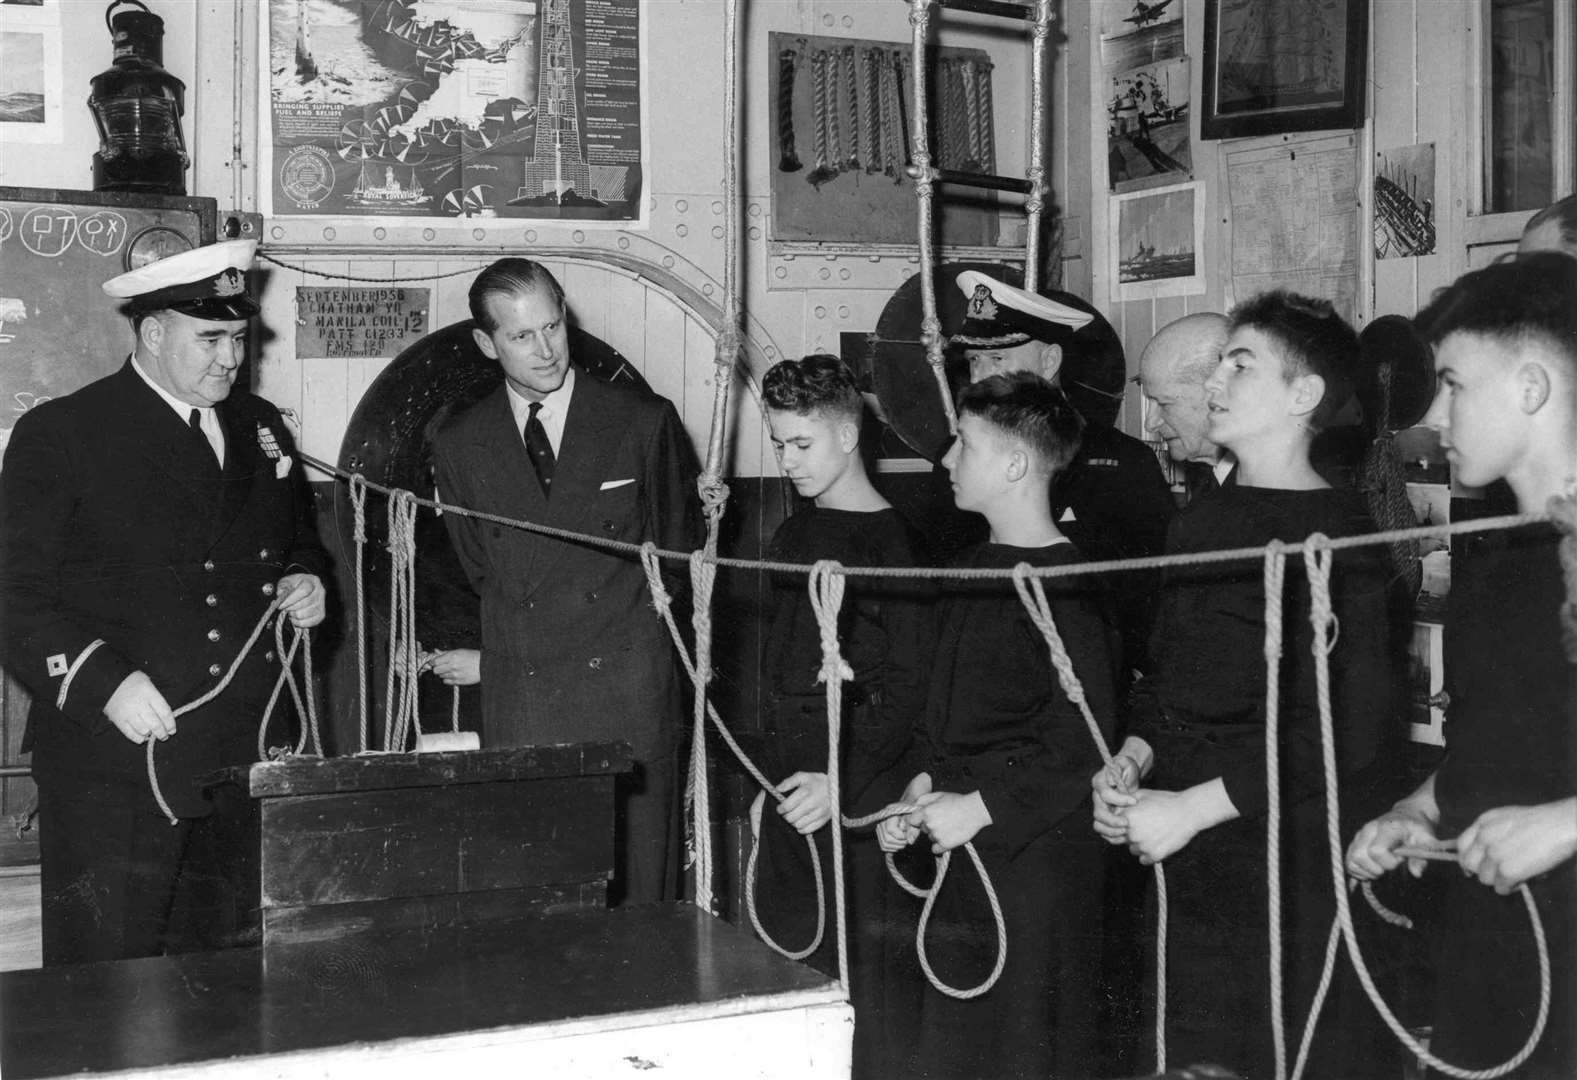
703 573
306 709
400 709
1317 562
663 602
826 584
661 599
1032 593
223 683
357 486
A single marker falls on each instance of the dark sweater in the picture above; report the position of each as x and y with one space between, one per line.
997 720
884 635
1208 682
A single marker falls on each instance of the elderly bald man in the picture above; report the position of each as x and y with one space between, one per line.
1172 373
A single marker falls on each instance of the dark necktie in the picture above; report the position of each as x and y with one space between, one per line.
196 422
540 449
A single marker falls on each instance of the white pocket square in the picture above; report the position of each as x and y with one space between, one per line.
609 485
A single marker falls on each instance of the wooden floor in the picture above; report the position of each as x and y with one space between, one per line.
585 995
20 945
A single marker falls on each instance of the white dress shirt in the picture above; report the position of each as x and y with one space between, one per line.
213 431
555 407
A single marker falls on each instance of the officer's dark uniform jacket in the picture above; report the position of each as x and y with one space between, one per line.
125 546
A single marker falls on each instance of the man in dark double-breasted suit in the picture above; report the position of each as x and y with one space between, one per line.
572 650
147 521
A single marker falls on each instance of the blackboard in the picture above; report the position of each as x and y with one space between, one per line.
58 331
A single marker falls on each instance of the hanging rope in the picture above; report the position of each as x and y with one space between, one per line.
1032 594
400 713
1317 552
358 502
826 584
703 573
1275 576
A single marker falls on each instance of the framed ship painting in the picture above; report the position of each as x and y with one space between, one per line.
1273 67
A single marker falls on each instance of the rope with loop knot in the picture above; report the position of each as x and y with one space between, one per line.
285 673
663 602
1317 562
826 584
1032 594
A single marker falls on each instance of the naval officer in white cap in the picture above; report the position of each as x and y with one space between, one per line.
146 523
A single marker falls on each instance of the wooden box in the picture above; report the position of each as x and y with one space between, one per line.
392 841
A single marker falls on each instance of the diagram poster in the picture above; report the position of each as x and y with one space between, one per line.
1293 213
457 108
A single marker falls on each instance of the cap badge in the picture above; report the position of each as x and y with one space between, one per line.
982 306
229 283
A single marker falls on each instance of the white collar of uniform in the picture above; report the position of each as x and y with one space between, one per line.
555 406
1223 466
182 409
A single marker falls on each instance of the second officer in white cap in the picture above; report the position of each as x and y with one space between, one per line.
147 521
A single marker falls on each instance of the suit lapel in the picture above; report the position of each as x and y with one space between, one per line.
504 472
591 437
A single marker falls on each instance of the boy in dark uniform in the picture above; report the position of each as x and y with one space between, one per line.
1003 759
1112 500
884 634
1506 795
1197 721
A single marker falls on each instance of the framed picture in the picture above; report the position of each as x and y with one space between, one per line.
1272 67
1155 242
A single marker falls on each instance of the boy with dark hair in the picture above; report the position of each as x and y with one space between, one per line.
1198 720
884 633
1506 409
1003 757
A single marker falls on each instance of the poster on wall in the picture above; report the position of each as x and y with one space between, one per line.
1157 240
1404 202
1293 214
31 95
1147 125
429 109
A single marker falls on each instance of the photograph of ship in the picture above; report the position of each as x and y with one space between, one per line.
455 108
1147 125
1404 202
1156 236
